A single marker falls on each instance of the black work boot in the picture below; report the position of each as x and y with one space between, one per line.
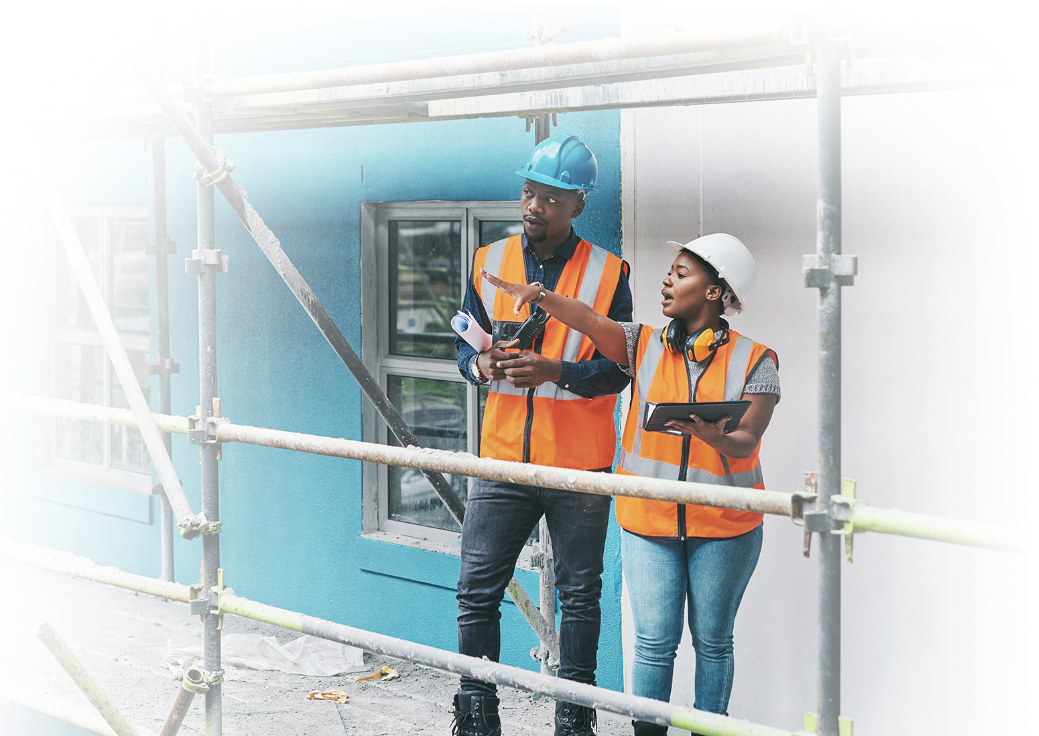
645 728
476 714
574 720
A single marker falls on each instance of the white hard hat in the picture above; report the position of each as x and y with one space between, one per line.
734 262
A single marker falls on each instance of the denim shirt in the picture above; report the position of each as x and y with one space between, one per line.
596 377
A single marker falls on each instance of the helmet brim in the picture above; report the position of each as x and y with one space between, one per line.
542 179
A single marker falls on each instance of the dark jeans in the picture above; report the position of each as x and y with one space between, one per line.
499 518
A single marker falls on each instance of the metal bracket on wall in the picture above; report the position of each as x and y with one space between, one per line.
207 435
205 260
819 272
805 31
837 519
162 247
216 591
845 725
164 367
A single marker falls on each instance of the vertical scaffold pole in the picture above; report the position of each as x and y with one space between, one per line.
208 270
542 125
160 247
828 245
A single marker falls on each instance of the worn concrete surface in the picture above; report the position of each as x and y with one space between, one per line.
120 637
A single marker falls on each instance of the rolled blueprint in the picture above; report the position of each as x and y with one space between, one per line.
469 328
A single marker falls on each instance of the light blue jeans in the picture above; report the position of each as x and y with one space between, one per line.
660 574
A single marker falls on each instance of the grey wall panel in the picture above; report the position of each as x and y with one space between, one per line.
930 190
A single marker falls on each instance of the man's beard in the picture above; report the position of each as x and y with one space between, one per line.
535 239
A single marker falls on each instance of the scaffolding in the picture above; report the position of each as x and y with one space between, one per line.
533 83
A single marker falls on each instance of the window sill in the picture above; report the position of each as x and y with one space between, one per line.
122 480
429 545
96 491
407 558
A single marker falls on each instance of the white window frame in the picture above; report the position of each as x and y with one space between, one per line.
375 218
48 460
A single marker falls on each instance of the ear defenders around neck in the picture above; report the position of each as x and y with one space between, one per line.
698 346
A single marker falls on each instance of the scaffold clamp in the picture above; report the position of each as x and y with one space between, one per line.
821 272
193 685
226 166
208 259
197 526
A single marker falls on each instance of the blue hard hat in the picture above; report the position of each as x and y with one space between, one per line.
562 161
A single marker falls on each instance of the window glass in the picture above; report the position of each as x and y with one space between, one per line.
78 377
129 239
491 232
128 449
436 412
72 310
425 259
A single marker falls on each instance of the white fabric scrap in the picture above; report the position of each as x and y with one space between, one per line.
307 655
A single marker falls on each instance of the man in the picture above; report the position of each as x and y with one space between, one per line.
550 405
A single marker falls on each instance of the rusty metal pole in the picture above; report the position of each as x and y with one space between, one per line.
192 683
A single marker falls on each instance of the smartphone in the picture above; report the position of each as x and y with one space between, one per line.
526 331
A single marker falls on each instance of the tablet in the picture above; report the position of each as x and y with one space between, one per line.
710 411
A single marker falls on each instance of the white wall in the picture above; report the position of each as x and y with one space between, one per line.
938 386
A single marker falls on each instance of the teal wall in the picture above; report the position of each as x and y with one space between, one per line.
292 522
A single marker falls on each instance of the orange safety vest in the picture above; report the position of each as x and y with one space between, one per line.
661 376
549 425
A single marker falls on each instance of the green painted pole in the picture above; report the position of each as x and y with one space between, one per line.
62 711
86 682
643 709
921 526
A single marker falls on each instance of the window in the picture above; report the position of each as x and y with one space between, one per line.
420 254
115 240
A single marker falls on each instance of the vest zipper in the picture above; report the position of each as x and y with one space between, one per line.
683 470
528 425
683 467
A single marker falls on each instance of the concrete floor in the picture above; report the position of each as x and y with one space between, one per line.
120 637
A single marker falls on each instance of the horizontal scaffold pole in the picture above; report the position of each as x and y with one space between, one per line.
189 523
83 567
463 463
864 518
91 412
640 708
573 692
783 33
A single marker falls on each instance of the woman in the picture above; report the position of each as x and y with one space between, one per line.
671 551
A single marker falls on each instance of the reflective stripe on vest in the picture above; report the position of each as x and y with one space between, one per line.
549 425
495 253
663 377
735 378
593 272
